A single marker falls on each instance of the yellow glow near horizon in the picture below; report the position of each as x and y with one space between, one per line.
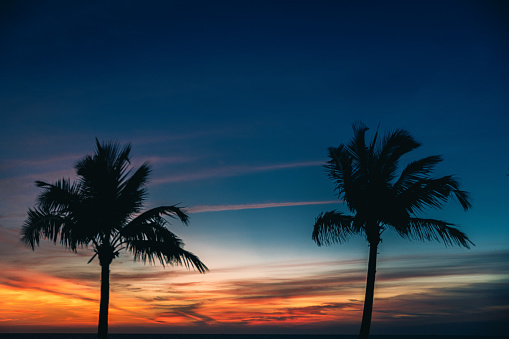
229 296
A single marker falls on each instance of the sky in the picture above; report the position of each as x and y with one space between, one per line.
234 104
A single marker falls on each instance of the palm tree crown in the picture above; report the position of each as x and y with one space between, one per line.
102 209
366 178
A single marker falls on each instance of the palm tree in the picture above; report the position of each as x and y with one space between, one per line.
366 179
103 209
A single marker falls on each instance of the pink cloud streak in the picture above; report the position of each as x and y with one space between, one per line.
232 171
218 208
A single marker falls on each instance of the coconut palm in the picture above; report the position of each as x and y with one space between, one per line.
102 209
367 180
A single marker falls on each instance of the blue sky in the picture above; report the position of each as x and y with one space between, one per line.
235 103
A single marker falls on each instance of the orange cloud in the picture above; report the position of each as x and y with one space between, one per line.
314 297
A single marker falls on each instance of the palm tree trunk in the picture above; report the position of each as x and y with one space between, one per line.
102 331
370 290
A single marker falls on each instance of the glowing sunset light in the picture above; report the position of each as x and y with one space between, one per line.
34 299
299 301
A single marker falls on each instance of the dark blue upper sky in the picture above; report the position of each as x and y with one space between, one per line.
209 60
225 84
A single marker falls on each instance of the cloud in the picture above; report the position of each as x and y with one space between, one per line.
230 171
159 160
149 138
446 310
22 280
309 286
218 208
149 275
324 308
190 311
9 239
19 192
410 289
430 266
19 283
37 163
334 292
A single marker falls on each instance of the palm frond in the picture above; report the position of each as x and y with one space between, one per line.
463 198
121 159
432 193
333 227
360 160
138 180
415 171
374 141
47 225
164 246
132 191
396 144
392 148
58 196
148 225
113 156
143 221
102 173
357 147
339 168
434 230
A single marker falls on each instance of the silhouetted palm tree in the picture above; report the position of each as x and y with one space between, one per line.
102 209
366 179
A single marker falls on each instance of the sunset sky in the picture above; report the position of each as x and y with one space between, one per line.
234 104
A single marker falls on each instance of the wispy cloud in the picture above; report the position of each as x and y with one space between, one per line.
11 163
163 161
19 192
218 208
43 285
230 171
169 137
66 162
267 295
189 311
474 307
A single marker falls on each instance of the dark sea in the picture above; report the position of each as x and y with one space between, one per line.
229 336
